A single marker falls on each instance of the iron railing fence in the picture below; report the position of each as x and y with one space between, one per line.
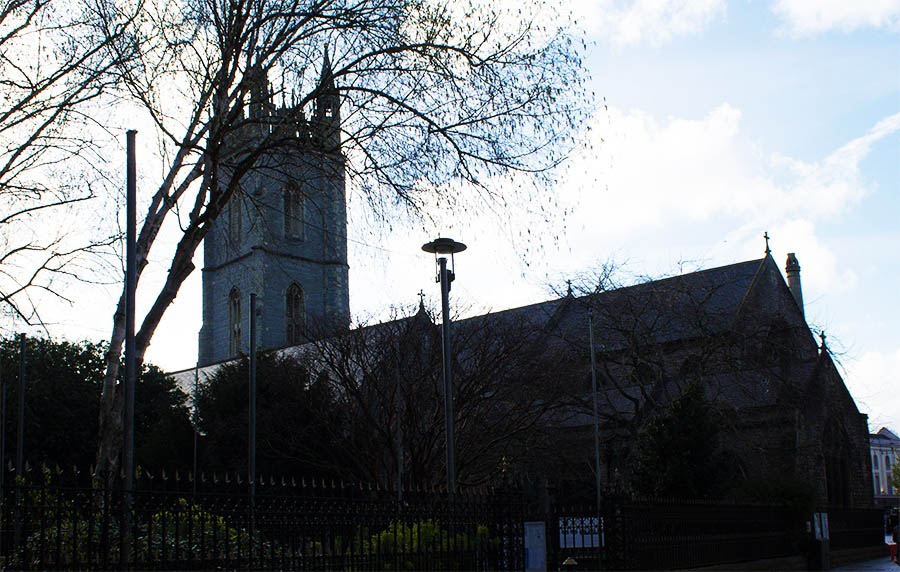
54 521
49 526
855 527
659 534
664 534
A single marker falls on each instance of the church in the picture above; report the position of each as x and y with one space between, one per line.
283 236
738 330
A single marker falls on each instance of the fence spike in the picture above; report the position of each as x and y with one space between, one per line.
215 478
323 482
27 467
190 477
303 482
177 476
293 482
272 480
164 476
202 477
58 470
237 478
227 480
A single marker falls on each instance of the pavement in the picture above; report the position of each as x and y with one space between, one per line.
876 565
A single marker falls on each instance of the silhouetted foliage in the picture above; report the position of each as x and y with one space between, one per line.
62 400
299 426
677 451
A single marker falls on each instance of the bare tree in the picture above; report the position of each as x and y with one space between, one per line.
656 338
507 390
54 68
430 92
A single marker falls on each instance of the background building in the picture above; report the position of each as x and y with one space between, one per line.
885 450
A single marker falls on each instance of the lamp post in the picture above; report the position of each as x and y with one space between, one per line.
438 247
594 402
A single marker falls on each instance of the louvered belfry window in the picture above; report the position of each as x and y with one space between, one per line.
293 212
294 314
234 322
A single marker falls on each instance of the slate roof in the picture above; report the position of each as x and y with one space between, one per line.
884 438
685 306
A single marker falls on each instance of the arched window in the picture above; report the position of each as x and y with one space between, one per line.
293 304
293 212
234 322
234 220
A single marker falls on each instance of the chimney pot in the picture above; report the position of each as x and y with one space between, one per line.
792 269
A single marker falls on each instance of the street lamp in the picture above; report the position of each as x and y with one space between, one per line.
444 246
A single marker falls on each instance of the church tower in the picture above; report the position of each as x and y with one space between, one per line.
283 235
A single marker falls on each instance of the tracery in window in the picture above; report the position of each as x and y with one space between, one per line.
234 322
293 303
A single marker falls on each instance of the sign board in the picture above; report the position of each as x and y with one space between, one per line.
536 546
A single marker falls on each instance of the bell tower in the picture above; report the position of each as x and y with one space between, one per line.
283 235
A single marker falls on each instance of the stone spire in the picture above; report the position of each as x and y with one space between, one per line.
792 270
327 114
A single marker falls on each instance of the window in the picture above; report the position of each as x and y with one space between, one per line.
293 303
234 322
878 490
234 220
887 474
293 212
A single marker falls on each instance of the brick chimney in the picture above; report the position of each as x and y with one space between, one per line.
792 269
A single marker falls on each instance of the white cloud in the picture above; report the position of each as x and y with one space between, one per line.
874 381
807 17
697 169
657 22
701 176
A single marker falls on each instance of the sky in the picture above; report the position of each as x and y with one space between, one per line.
715 121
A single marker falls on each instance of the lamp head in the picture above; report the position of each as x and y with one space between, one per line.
443 246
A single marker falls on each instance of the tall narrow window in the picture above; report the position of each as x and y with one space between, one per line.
887 474
293 212
234 322
294 314
234 220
